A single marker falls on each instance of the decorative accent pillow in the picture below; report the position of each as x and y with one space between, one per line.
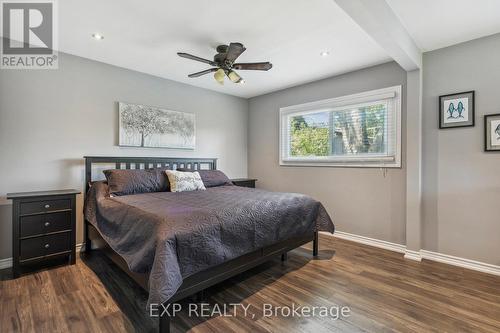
211 178
181 181
123 182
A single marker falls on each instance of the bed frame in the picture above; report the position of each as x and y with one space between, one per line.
204 279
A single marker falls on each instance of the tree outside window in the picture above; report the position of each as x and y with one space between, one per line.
346 132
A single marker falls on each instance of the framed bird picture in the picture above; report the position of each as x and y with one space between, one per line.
456 110
492 132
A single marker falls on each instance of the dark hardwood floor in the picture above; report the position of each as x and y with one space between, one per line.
384 292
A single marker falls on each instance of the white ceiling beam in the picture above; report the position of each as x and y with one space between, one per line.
378 20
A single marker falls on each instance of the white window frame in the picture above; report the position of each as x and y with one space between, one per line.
390 95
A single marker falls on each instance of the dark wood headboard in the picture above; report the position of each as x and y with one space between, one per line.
146 163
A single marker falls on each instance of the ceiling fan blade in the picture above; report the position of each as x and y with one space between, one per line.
234 51
207 71
192 57
233 76
255 66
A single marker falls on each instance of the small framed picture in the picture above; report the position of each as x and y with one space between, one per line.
456 110
492 132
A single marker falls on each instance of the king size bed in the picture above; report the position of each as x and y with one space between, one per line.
175 244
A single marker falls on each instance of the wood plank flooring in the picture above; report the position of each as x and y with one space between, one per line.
384 292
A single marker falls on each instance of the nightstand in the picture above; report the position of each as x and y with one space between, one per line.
43 227
244 182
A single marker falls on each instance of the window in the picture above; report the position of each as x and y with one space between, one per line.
361 130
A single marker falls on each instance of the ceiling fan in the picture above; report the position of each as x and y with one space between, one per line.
224 63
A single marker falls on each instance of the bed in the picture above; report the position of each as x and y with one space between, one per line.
177 244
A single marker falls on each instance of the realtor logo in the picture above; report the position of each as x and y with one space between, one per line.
29 39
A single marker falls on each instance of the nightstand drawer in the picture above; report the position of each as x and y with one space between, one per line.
244 182
44 206
44 223
44 245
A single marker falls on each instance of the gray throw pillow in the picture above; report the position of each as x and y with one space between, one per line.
123 182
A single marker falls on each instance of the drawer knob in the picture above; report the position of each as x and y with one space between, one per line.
47 206
46 224
46 246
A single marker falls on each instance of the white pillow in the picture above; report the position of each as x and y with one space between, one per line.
181 181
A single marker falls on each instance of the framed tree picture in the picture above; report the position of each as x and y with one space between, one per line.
492 132
153 127
456 110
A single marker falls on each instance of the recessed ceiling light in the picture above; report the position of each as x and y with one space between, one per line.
97 36
324 54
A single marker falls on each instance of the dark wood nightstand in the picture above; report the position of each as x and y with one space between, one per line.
43 227
244 182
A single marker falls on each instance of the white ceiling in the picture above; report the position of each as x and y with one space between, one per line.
146 35
434 24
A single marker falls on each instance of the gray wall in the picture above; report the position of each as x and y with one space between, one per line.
461 183
341 190
50 119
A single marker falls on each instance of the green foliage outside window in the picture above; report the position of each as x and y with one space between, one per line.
347 132
308 140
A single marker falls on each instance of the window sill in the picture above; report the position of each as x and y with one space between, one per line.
353 164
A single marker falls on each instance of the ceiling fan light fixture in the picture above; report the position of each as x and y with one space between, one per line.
224 63
233 76
219 76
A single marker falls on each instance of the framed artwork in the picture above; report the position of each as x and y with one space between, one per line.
492 132
153 127
456 110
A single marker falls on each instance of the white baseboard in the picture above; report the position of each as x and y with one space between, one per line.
408 254
422 254
7 262
461 262
79 247
370 241
413 255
